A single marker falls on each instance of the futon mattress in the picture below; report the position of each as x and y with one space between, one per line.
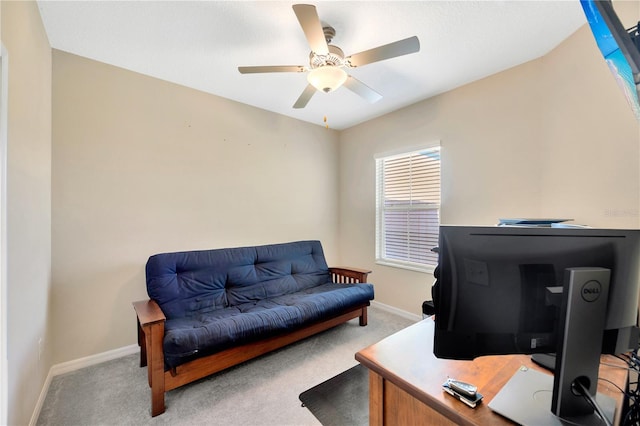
216 330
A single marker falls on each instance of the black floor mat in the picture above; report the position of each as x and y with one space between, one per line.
341 400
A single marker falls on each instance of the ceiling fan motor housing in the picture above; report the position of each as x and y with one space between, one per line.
335 58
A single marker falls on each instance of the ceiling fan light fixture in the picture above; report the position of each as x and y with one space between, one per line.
327 78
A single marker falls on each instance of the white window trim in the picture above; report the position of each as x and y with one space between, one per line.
400 152
388 155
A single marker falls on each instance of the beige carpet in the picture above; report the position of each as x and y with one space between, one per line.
263 391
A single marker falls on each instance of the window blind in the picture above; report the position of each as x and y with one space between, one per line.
408 209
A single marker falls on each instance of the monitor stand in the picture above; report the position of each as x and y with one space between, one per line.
547 361
526 399
534 398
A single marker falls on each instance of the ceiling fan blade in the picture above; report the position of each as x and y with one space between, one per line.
304 98
310 23
275 68
388 51
359 88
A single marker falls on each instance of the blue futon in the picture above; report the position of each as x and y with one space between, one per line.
212 309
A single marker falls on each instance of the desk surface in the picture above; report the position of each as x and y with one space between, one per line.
406 359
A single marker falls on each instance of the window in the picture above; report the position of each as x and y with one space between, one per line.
408 209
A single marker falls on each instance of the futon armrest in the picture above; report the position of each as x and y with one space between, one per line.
148 312
343 274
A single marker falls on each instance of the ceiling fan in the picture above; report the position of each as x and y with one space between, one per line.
327 62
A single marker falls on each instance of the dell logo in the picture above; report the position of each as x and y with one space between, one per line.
591 291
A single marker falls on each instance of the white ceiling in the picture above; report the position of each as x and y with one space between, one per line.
200 44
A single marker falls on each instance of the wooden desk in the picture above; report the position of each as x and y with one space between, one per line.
405 381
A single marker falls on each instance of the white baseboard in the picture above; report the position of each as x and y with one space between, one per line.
394 310
87 361
67 367
40 402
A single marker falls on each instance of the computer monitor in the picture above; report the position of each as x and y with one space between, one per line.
519 290
620 47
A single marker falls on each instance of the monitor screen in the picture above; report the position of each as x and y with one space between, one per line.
491 293
619 46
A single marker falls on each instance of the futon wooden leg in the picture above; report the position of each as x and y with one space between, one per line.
143 346
157 402
363 317
156 368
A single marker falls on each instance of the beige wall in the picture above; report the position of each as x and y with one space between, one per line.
28 205
490 147
142 166
552 137
591 170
